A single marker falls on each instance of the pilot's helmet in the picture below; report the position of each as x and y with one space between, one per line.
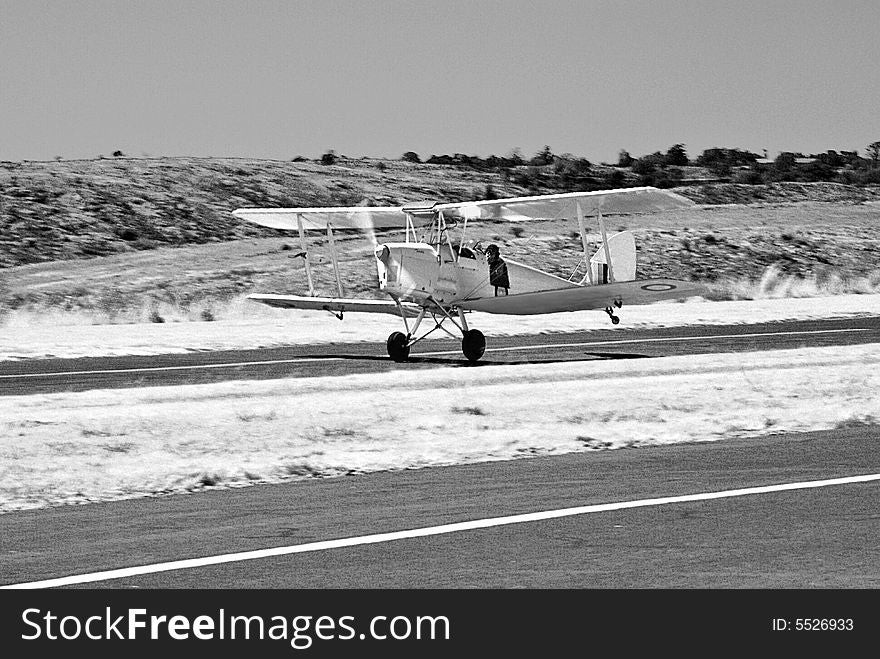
492 249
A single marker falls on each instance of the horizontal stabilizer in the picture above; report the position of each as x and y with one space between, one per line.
335 304
580 298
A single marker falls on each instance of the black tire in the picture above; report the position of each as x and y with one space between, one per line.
397 347
473 345
615 320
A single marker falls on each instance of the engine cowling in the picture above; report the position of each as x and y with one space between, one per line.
407 269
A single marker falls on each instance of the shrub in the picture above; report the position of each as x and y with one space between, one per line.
748 177
440 160
572 172
529 178
543 157
868 176
676 155
615 179
329 158
643 166
815 171
874 152
784 161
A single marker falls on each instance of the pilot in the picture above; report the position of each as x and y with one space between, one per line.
497 270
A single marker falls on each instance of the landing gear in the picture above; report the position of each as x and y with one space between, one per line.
398 346
610 311
473 344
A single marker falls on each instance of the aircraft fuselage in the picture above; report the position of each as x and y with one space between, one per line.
419 271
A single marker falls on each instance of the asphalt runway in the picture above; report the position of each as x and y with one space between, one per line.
52 375
807 537
821 537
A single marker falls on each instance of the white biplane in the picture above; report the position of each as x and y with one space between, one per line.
432 274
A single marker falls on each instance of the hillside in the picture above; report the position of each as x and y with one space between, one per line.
119 234
51 211
79 209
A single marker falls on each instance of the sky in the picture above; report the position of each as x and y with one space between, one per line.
278 79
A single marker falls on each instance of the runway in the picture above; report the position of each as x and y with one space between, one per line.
822 537
52 375
812 536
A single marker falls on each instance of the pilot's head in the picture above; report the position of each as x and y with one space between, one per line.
492 251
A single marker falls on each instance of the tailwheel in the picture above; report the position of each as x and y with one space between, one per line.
473 344
398 348
614 319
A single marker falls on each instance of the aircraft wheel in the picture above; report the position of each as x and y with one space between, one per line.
473 344
397 346
615 320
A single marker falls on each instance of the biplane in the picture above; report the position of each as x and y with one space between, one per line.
435 273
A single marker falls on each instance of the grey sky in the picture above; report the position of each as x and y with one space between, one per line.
278 79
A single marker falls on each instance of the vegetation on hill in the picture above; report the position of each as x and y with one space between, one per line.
79 209
55 217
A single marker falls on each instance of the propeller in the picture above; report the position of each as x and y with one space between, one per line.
365 220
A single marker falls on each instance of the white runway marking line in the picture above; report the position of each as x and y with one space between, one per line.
175 368
429 531
654 340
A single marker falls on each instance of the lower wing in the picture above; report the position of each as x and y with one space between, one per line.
579 298
335 304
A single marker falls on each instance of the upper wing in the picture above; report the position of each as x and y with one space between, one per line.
352 217
579 298
624 200
554 206
336 304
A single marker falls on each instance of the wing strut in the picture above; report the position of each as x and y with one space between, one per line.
607 249
335 260
583 227
410 227
305 249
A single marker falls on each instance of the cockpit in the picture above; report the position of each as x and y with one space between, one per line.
469 250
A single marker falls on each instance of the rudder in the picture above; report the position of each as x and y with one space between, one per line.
622 247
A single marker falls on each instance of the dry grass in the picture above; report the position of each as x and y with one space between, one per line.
743 252
122 443
858 421
146 311
774 284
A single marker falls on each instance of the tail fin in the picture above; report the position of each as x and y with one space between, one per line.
622 247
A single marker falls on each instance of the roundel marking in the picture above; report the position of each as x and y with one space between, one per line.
658 287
